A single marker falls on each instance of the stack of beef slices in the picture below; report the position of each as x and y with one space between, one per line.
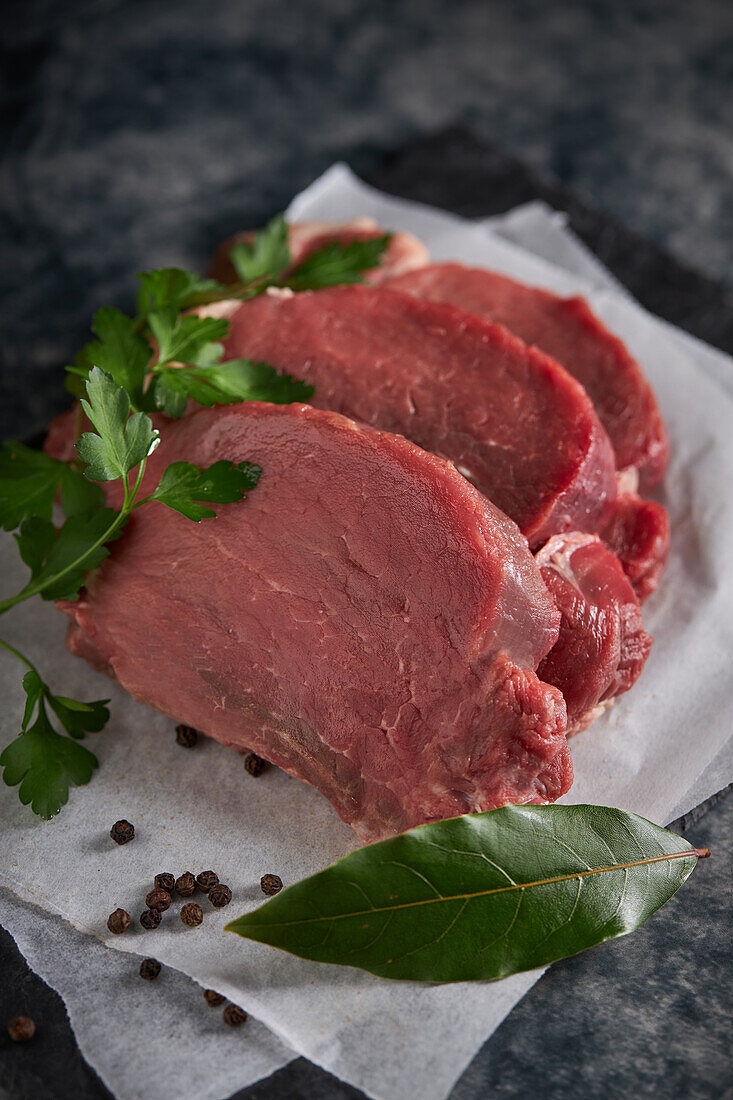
415 637
530 397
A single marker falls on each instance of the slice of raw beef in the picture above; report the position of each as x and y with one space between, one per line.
602 646
508 416
364 618
638 533
403 253
567 329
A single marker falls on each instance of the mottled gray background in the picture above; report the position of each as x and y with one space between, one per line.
139 133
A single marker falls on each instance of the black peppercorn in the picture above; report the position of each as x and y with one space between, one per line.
213 998
234 1016
255 765
185 884
122 831
206 879
192 914
158 899
187 736
271 884
165 881
150 919
119 921
220 895
21 1029
149 969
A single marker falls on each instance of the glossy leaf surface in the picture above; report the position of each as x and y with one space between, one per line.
480 896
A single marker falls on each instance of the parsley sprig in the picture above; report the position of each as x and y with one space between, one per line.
144 354
41 759
156 361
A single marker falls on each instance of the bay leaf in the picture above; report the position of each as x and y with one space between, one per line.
480 896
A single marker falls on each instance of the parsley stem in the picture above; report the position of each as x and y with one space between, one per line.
119 520
208 297
34 589
16 653
130 498
234 290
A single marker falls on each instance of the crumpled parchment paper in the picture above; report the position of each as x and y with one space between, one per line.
199 809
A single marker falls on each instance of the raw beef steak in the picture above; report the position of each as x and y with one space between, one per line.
364 618
638 533
602 646
508 416
567 329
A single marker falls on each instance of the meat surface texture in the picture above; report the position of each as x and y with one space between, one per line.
508 416
403 253
602 646
365 619
567 329
638 533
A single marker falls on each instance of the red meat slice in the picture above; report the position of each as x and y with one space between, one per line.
403 253
509 417
365 619
602 646
638 534
567 329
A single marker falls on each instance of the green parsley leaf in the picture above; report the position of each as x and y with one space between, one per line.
122 443
207 355
119 351
337 263
171 286
183 339
227 384
30 481
34 540
79 495
267 256
48 552
43 761
34 687
183 485
80 718
170 393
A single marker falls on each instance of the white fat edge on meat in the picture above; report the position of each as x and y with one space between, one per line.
557 552
218 309
627 481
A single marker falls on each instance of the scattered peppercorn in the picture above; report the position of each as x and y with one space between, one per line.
255 765
149 969
234 1016
192 914
271 884
206 879
220 895
158 899
122 831
165 882
187 736
185 884
119 921
213 998
150 919
21 1029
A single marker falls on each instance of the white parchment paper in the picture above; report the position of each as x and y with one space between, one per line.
139 1034
200 809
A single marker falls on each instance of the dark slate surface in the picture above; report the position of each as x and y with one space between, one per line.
455 168
138 133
